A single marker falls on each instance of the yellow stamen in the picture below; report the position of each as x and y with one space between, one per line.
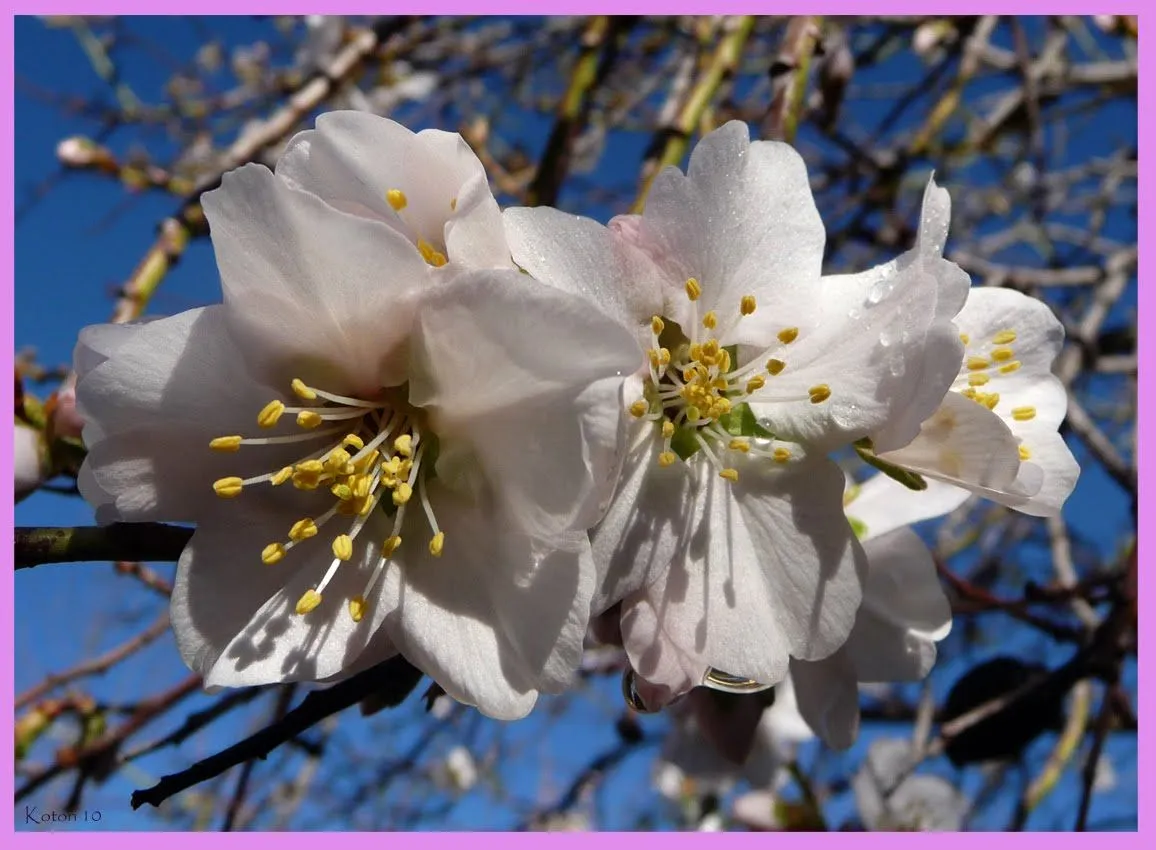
430 254
311 467
1004 337
357 607
270 414
738 445
1008 368
788 335
343 547
1001 355
355 441
226 444
309 600
667 458
667 429
965 339
975 363
1025 453
782 455
402 493
710 320
303 529
1023 414
390 546
729 474
747 305
342 491
693 289
227 488
272 553
819 393
639 408
397 199
775 366
756 383
308 419
403 445
303 391
978 380
281 477
656 325
437 544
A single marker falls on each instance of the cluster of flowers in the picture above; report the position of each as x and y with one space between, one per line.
420 424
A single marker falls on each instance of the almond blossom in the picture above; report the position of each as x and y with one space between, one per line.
386 440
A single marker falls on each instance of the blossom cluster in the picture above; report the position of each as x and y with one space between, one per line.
421 424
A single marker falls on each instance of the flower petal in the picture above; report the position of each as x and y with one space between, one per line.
525 383
881 651
1057 469
312 292
902 585
990 311
881 504
580 256
828 697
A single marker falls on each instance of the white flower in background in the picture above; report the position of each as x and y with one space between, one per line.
372 445
30 464
904 611
891 798
730 549
461 769
997 433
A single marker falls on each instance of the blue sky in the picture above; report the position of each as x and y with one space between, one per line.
83 238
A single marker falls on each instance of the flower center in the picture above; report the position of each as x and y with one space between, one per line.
989 361
375 459
697 395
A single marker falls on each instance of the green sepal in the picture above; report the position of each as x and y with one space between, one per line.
910 480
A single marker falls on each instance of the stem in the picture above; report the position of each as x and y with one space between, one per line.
144 541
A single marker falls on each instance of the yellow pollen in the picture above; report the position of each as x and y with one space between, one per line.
397 199
1025 453
430 254
989 400
270 414
272 553
775 366
978 380
667 429
303 391
788 335
390 546
1023 414
667 458
309 600
227 488
756 383
639 408
656 325
1004 337
402 493
693 414
738 445
781 454
226 444
281 477
965 339
353 440
357 606
710 348
693 289
311 467
664 357
710 320
403 445
308 419
729 474
724 358
453 204
342 491
747 305
303 529
1002 355
343 547
437 543
1008 368
361 487
337 461
819 393
976 363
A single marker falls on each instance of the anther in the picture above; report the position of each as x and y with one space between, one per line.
430 254
1004 337
693 289
782 455
667 458
1025 453
775 366
819 393
1023 414
1001 355
656 325
272 553
302 391
226 444
227 488
729 474
977 380
437 543
639 408
282 476
965 339
397 199
357 606
309 600
747 305
390 546
756 383
738 445
667 429
308 419
403 445
343 547
710 320
1008 368
402 493
788 335
975 363
270 414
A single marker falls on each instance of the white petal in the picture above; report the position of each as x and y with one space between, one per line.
828 697
782 723
1057 467
668 667
1039 335
881 651
311 291
934 222
234 616
965 444
743 222
882 504
28 459
890 799
525 382
903 586
580 256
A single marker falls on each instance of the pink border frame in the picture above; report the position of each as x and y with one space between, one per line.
1146 459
